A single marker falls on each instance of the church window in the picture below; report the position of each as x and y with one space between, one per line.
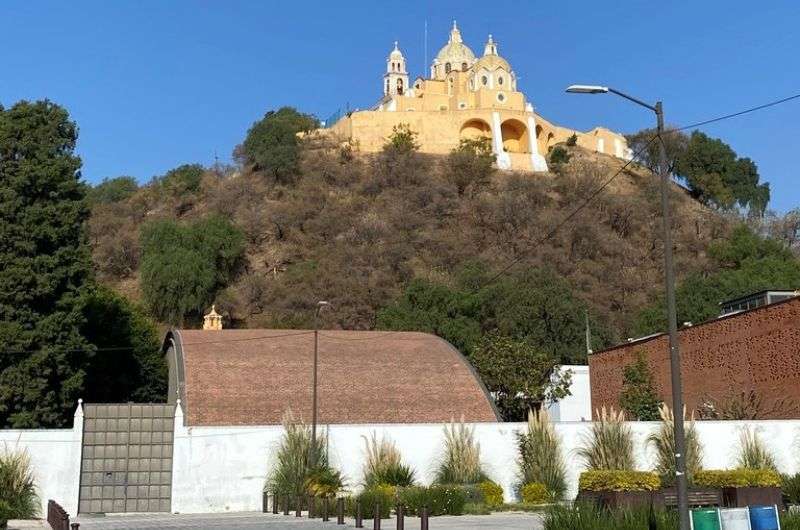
463 67
500 80
447 68
387 86
400 87
501 97
484 80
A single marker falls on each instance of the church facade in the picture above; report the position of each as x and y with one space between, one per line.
466 97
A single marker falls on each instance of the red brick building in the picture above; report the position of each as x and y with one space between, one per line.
253 376
753 350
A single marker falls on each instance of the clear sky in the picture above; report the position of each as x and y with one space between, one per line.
157 83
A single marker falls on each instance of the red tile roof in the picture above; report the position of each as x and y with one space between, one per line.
252 377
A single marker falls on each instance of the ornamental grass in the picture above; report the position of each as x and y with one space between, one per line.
540 459
461 463
292 474
663 440
753 452
18 497
609 443
384 463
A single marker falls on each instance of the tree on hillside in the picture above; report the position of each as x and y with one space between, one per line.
745 263
112 190
469 167
183 179
272 144
519 376
638 397
128 360
184 266
715 175
403 139
45 266
711 169
646 148
533 305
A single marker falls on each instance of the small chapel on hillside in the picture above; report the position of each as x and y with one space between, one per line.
465 97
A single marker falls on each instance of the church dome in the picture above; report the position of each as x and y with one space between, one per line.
455 51
491 60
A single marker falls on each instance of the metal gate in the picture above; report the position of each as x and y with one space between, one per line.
126 462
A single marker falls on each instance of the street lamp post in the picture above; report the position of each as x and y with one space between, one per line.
313 451
669 272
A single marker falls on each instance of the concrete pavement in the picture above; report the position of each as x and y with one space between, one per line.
255 521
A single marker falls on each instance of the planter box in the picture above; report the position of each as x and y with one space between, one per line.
668 497
751 496
616 499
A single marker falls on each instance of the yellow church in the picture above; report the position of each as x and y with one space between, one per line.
466 97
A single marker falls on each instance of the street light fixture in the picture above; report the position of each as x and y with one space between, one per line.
669 273
313 451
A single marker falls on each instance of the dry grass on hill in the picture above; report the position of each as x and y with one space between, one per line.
356 229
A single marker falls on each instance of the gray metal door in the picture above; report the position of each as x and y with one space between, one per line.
126 462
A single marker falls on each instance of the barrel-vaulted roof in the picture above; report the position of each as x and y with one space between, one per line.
252 377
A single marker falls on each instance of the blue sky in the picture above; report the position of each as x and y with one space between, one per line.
156 83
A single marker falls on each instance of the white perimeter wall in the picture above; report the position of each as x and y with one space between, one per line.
56 460
219 469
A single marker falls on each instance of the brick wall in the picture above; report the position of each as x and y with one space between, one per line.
757 350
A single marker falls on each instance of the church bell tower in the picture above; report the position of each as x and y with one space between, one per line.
395 80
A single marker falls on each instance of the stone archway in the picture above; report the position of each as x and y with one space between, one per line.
475 128
515 136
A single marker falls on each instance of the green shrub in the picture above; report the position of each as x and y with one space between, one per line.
472 508
324 482
790 521
664 442
753 454
790 485
183 179
491 493
384 464
112 190
439 499
559 155
609 444
618 480
592 517
461 463
572 140
18 498
540 459
730 478
535 493
383 495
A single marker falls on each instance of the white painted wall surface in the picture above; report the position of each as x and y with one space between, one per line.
55 458
578 405
219 469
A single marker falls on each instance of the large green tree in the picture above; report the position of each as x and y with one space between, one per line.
711 169
45 266
128 360
272 144
520 376
534 305
639 398
185 265
744 263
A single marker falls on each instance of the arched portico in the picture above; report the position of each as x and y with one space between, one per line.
515 136
475 128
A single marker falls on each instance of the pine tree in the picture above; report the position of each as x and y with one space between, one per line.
45 265
639 398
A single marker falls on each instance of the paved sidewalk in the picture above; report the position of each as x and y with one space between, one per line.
255 521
